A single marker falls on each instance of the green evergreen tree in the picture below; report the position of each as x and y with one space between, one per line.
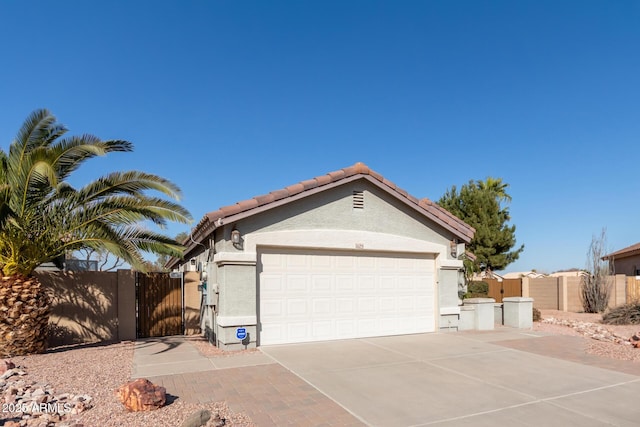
480 204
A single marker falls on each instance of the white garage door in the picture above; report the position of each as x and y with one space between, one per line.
317 296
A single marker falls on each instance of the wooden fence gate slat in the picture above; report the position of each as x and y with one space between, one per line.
633 290
159 305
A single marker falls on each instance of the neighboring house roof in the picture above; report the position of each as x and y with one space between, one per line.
255 205
486 275
623 253
569 273
518 274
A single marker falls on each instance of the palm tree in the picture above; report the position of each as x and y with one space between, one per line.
42 216
496 186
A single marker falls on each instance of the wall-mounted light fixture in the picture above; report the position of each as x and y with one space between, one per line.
235 237
454 248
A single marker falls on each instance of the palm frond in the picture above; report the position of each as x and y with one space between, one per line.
42 216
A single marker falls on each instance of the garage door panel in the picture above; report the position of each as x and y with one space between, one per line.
272 309
388 304
270 260
297 307
275 332
322 306
366 284
322 330
344 263
344 306
387 283
294 263
367 327
296 283
271 283
345 328
321 263
321 283
344 283
344 295
365 262
367 305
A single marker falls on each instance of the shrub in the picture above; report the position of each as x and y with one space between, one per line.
537 316
478 288
627 314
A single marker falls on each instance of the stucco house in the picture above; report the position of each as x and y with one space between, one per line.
344 255
625 261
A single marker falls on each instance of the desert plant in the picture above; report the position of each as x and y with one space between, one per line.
595 288
42 217
537 316
627 314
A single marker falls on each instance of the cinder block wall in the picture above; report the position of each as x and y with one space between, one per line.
545 293
84 306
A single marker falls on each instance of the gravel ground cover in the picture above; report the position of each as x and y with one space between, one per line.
98 371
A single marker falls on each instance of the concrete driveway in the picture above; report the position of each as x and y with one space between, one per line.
459 379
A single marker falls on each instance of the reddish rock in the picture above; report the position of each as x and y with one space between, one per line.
5 365
141 395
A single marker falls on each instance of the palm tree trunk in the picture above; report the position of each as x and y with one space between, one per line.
24 315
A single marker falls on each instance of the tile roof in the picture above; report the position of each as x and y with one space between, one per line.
215 219
628 251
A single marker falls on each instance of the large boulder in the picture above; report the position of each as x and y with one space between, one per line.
142 395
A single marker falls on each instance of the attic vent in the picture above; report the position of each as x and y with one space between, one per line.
358 199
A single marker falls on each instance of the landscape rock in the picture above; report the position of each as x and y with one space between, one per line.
5 365
197 419
596 331
141 395
219 422
33 404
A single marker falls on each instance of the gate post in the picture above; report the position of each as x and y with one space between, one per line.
126 304
518 312
483 312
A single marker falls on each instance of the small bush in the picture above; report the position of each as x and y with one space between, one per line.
627 314
478 288
537 316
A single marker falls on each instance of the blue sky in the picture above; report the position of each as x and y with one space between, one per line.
235 99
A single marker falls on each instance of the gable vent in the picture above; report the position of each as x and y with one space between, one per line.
358 199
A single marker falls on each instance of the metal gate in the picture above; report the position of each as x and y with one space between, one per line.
159 305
